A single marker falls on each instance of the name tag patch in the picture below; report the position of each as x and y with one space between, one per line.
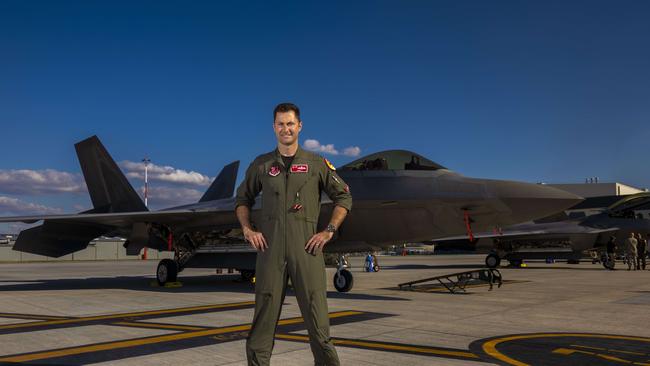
299 168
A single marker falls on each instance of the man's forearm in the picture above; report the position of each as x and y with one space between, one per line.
243 215
338 215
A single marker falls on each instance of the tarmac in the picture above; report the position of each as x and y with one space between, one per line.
108 313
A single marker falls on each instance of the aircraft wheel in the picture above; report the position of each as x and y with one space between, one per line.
343 280
492 260
376 268
167 271
247 274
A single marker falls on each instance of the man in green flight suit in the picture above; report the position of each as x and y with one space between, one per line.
285 237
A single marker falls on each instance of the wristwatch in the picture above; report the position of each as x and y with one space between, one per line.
330 228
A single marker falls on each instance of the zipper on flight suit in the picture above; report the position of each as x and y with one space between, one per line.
284 207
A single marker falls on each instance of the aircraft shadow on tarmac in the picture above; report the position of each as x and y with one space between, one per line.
585 267
190 284
432 266
598 268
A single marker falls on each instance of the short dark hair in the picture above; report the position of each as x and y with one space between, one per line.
286 107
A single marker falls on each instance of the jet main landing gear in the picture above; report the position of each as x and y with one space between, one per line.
167 271
492 260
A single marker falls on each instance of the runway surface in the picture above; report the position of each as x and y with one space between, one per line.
77 313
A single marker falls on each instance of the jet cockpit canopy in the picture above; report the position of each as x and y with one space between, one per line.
630 206
392 160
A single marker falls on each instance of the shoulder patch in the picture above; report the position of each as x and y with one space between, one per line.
329 165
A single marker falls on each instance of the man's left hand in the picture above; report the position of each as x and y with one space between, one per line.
318 241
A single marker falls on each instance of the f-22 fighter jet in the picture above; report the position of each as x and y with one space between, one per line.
399 196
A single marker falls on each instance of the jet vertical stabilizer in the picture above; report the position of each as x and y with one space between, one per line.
223 185
109 189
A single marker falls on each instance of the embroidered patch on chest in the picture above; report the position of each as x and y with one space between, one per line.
274 170
299 168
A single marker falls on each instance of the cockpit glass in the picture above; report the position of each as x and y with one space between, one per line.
632 206
392 160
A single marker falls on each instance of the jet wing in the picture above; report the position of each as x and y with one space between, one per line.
534 230
63 234
119 219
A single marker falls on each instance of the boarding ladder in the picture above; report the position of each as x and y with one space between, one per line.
457 282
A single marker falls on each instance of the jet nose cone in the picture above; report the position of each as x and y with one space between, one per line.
534 201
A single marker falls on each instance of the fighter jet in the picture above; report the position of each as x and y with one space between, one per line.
399 196
565 236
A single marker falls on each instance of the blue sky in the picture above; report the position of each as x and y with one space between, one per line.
551 91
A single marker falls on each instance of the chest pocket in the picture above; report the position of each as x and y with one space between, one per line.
304 190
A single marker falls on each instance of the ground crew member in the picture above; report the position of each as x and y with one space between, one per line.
285 237
630 251
641 247
611 253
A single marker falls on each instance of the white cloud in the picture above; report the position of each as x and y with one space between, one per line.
13 206
353 151
315 145
164 174
48 181
170 196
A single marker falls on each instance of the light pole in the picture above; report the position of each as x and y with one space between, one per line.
146 162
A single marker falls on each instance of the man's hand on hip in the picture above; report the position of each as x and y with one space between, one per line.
318 241
255 238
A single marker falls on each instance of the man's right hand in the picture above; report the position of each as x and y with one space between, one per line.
255 238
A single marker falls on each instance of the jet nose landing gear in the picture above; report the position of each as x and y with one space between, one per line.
343 279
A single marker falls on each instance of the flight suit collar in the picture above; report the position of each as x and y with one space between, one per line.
298 157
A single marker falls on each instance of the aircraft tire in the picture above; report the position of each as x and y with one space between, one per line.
167 271
343 280
492 260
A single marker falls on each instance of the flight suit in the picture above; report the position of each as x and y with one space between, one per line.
630 252
289 214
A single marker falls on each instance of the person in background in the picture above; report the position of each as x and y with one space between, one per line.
641 249
630 251
611 252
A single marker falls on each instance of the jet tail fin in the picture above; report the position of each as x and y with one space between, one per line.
223 185
108 187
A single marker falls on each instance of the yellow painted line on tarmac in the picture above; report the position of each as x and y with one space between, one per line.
126 315
490 347
151 340
386 346
31 316
158 326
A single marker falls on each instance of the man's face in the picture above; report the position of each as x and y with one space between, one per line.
287 127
